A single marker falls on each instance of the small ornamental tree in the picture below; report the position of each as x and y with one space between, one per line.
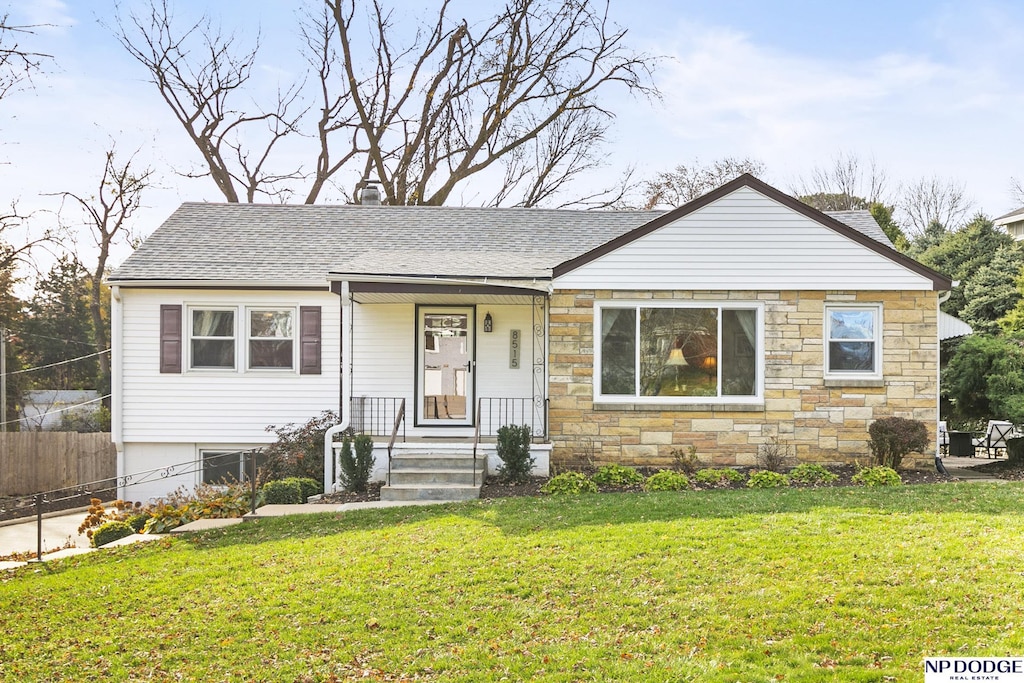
894 437
514 451
356 468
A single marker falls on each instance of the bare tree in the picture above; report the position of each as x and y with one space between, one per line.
107 215
17 64
201 72
933 200
516 96
16 251
686 183
845 185
519 90
1017 190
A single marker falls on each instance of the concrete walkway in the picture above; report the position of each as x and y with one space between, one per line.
60 529
963 468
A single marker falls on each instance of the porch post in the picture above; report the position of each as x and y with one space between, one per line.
540 357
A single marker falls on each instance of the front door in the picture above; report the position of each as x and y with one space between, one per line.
445 350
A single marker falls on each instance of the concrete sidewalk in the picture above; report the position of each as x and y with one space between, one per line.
63 528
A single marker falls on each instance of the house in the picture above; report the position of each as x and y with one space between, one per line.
741 317
1013 222
49 409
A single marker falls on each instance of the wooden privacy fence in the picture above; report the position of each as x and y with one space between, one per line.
42 461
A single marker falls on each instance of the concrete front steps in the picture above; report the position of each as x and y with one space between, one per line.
431 475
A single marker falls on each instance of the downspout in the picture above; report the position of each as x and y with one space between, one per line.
943 298
346 389
116 398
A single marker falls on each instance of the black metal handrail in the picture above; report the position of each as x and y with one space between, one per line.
494 413
375 415
399 420
125 481
476 435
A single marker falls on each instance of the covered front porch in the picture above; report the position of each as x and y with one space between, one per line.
432 370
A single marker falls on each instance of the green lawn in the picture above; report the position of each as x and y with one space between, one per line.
838 584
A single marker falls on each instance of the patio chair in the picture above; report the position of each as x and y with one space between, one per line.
943 438
995 437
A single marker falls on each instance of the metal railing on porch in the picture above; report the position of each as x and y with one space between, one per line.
379 416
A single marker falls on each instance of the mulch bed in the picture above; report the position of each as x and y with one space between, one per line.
495 488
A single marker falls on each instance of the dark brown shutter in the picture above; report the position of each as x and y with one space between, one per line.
309 340
170 338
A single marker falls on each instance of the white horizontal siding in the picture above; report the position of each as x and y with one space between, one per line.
743 241
218 406
383 350
384 338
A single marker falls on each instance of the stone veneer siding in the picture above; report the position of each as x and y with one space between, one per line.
823 424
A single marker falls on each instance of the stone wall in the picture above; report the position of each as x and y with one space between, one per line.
824 423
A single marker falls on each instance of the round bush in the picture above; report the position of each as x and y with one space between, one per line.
282 492
617 475
717 477
877 476
811 474
138 522
667 480
110 532
767 480
569 483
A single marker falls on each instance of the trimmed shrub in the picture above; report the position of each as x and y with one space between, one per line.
763 479
617 475
569 483
710 476
108 532
356 469
310 487
894 437
138 522
282 492
514 453
877 476
667 480
811 474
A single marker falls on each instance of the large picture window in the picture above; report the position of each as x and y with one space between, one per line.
212 336
690 354
852 341
271 338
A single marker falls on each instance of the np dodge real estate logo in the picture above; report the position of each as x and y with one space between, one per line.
1002 669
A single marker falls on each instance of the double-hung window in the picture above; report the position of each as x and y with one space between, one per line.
699 353
272 338
853 341
212 338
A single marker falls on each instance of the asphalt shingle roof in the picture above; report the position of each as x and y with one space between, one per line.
303 243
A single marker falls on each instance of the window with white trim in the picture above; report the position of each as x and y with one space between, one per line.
212 338
699 353
223 467
271 338
853 341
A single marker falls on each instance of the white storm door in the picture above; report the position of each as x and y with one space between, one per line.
445 362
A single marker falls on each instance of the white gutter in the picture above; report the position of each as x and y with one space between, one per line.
116 392
346 389
534 283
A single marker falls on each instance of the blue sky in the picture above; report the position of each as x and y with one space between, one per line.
924 88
